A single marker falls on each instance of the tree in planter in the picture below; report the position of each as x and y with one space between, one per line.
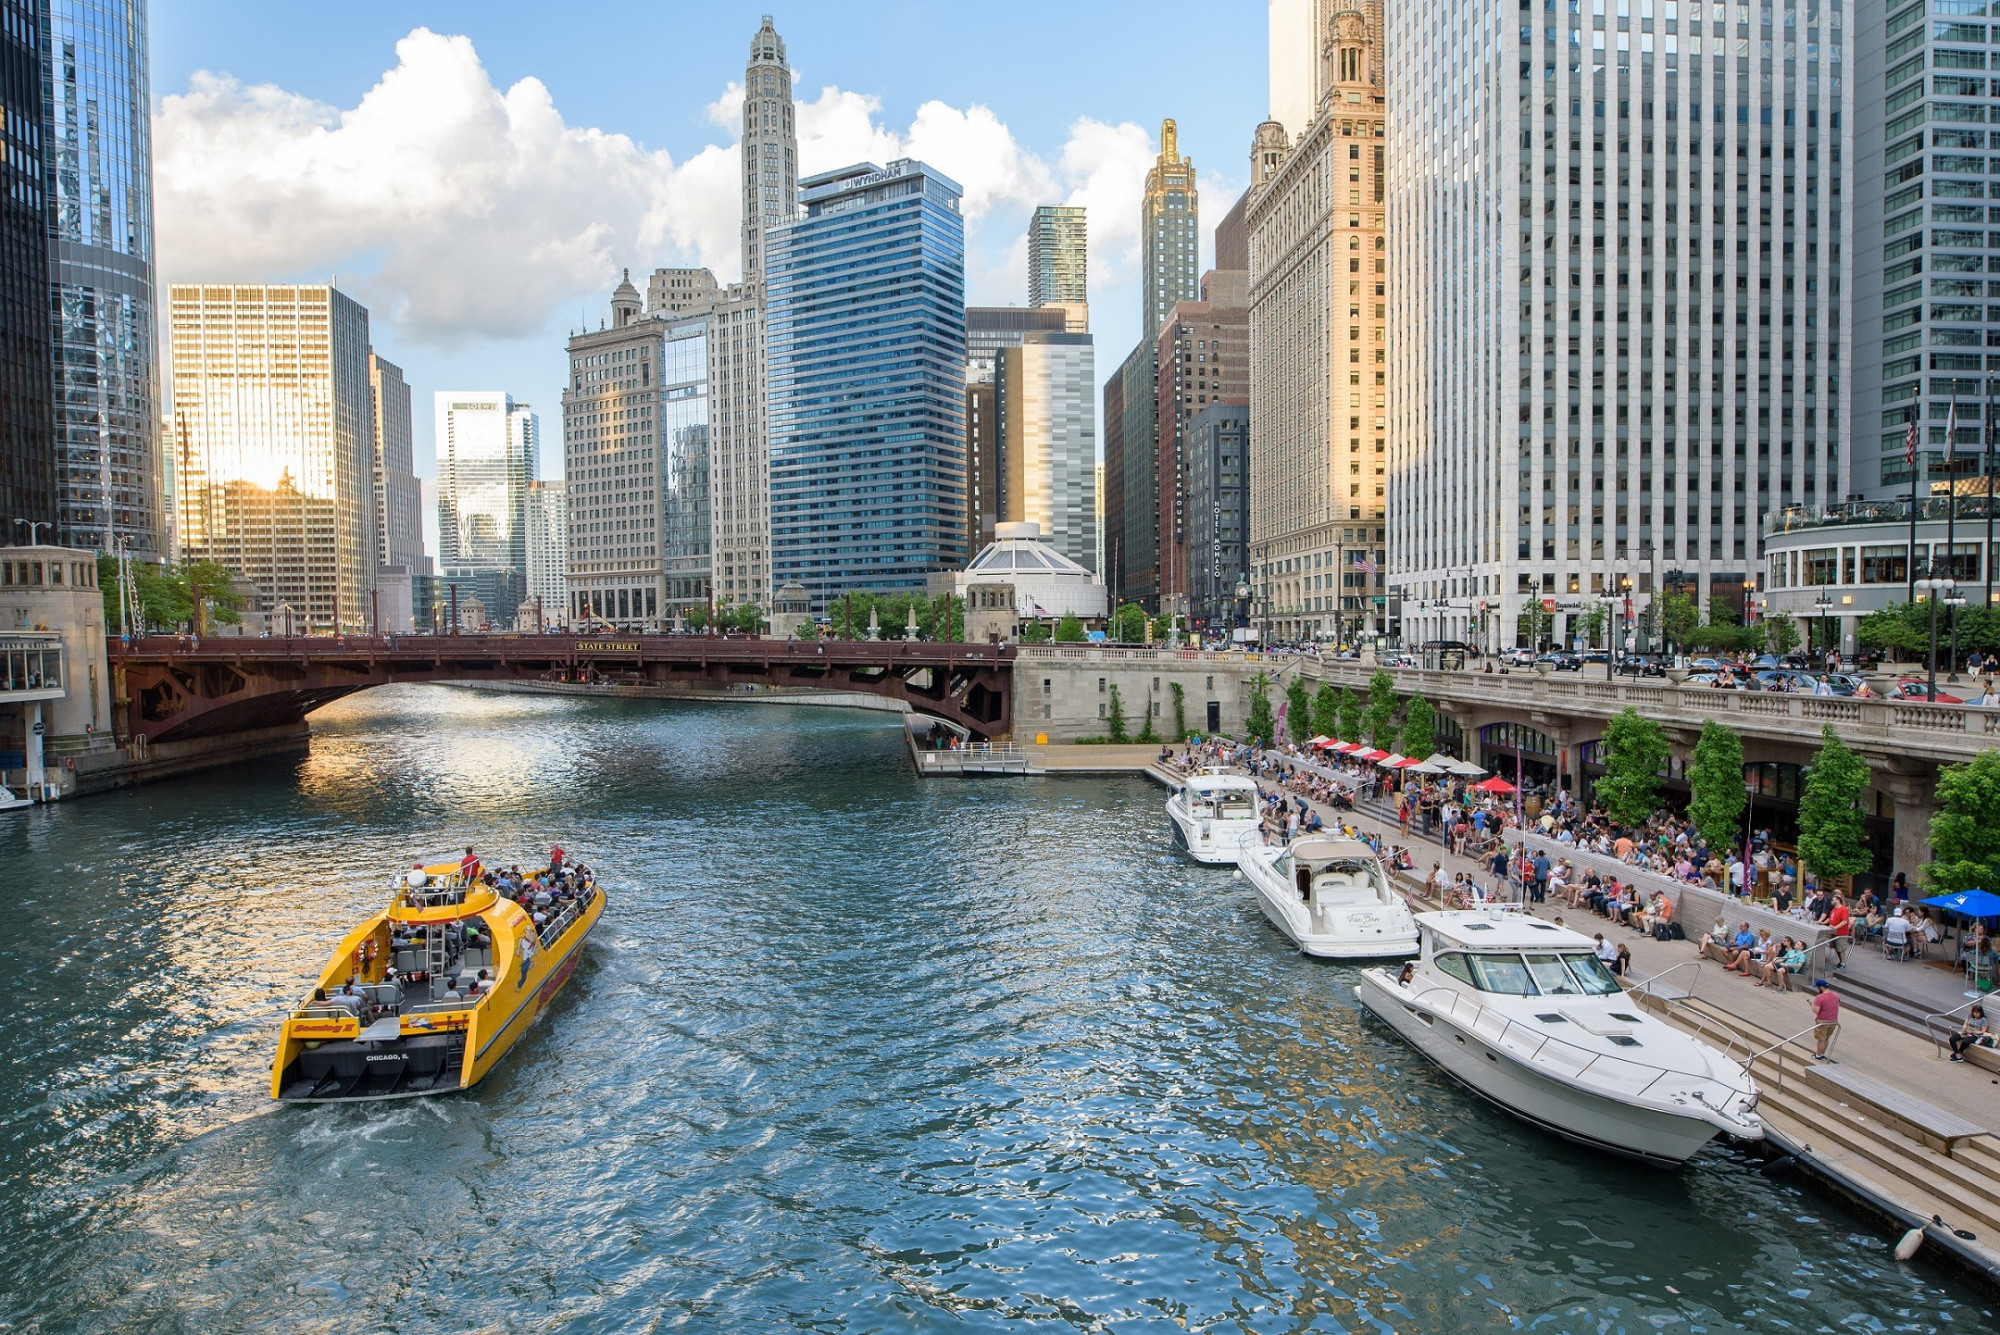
1833 841
1965 833
1069 630
1298 710
1419 729
1326 710
1180 711
1715 783
1379 721
1635 750
1349 710
1260 725
1115 720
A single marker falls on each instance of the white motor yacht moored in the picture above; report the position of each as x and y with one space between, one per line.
1212 814
10 802
1523 1013
1332 897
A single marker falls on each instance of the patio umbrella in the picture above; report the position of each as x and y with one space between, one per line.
1403 763
1371 755
1967 903
1435 765
1320 740
1348 748
1496 784
1465 767
1389 761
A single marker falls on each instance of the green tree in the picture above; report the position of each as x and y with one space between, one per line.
1128 624
1326 710
1163 629
1715 784
1589 625
1115 720
1069 630
1298 710
1379 720
1260 724
808 630
1965 833
1180 711
1147 733
1035 632
1635 750
1900 628
696 618
1536 623
1419 729
1680 617
1350 716
1833 841
1781 634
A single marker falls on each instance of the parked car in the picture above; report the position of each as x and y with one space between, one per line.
1912 688
1642 665
1517 657
1561 662
1705 664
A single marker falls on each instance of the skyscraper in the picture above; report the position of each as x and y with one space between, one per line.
866 362
1218 511
1059 263
1203 358
1318 376
1045 392
548 554
637 460
1132 478
27 421
1169 232
1616 310
275 451
399 527
98 154
487 453
989 331
1918 361
740 469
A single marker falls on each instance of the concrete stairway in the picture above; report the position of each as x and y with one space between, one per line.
1871 1143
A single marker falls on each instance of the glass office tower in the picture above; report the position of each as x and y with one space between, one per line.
866 339
487 452
98 153
27 470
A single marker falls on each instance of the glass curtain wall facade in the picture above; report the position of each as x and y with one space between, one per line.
867 354
27 454
683 476
1927 346
1131 466
486 456
1045 393
1218 513
97 142
274 421
548 553
1615 272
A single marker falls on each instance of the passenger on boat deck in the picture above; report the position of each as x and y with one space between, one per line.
1408 975
468 866
451 992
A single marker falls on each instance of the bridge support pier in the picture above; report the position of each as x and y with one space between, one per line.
1915 796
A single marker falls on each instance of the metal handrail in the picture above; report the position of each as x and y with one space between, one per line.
1779 1048
1929 1028
1646 985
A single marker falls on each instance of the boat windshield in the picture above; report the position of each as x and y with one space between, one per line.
1515 975
1229 804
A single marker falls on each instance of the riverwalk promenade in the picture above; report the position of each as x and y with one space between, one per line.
1890 1125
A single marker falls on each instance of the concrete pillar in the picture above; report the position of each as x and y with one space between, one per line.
33 748
1915 796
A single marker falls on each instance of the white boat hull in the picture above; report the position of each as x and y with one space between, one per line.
1648 1134
1294 919
1220 847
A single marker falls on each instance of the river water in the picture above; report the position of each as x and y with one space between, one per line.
850 1052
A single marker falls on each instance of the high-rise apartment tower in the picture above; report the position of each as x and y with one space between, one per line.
1059 262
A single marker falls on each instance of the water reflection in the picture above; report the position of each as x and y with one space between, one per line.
850 1052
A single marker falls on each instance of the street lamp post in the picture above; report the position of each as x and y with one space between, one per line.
1935 587
1610 601
35 526
1825 605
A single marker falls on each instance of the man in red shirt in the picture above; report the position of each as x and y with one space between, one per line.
1826 1017
468 866
1842 923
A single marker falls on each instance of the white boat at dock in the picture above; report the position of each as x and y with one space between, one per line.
1213 814
1522 1013
1332 897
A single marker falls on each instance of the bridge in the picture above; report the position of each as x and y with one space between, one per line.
173 689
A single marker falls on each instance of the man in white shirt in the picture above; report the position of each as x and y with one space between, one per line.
1896 931
1605 951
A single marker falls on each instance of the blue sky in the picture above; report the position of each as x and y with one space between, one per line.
477 173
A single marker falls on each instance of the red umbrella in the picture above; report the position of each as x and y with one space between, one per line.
1496 784
1371 756
1348 748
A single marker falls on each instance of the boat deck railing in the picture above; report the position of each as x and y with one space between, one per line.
553 929
1636 1078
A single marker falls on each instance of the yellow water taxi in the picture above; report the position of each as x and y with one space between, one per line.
428 995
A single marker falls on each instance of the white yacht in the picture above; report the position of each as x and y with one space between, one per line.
9 802
1212 814
1332 896
1522 1013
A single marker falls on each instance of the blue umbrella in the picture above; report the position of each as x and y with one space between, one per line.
1968 903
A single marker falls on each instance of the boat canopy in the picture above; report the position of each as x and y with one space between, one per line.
1471 929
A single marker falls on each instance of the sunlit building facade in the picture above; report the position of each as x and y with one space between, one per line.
276 455
98 155
1169 233
488 451
548 557
399 526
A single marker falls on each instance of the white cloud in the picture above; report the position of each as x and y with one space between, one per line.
461 212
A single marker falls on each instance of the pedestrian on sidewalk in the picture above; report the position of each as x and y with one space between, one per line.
1842 923
1826 1017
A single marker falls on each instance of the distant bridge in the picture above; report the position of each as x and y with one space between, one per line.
172 689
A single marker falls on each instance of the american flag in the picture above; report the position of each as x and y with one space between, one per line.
1363 564
1910 445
